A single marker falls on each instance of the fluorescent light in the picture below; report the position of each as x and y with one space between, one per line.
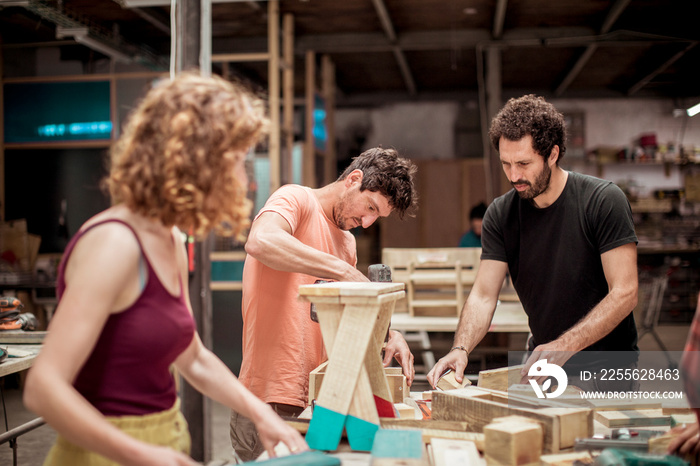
81 36
6 3
694 110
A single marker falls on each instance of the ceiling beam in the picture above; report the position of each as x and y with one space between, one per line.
499 18
105 42
443 40
388 27
612 16
646 79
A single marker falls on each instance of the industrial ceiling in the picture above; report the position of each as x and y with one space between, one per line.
404 49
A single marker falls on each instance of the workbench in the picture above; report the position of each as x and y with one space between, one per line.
17 364
13 365
508 319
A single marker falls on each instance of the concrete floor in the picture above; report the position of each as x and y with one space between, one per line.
33 446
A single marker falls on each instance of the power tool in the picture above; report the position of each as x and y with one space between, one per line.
375 273
11 316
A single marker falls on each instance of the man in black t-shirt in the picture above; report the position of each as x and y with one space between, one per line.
567 240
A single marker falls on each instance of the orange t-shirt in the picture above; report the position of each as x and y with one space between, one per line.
281 344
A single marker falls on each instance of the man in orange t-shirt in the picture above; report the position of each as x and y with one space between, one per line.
299 236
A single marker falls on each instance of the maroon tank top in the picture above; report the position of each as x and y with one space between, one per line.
128 370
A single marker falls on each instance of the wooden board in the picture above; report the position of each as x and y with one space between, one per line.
393 423
633 418
398 447
21 337
566 459
560 426
451 452
350 289
501 378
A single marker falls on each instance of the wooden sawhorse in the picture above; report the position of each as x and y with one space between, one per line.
354 318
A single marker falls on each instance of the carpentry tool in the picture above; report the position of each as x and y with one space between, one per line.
11 317
627 439
10 303
375 273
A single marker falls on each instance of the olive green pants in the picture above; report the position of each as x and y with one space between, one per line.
166 428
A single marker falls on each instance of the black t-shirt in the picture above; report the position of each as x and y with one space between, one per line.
553 254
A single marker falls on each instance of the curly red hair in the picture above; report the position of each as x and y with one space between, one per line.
177 156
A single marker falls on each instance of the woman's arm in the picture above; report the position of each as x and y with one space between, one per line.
101 276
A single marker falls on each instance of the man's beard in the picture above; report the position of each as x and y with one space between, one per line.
338 215
540 185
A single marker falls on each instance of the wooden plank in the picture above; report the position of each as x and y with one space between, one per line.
513 443
615 405
398 447
273 93
452 452
633 418
369 289
566 459
21 337
478 411
501 378
308 177
431 434
393 423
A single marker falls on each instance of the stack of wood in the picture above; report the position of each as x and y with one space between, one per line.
499 422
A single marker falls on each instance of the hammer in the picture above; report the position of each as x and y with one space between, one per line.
375 272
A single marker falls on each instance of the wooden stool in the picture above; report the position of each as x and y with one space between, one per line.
354 318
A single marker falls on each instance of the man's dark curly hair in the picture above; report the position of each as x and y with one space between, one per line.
385 172
531 115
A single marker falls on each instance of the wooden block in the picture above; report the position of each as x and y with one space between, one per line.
478 411
513 443
427 395
450 452
566 459
448 381
501 378
398 447
633 418
405 411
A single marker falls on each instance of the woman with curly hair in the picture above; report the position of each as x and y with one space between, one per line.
103 379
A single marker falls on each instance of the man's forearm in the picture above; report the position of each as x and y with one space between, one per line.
474 322
599 322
